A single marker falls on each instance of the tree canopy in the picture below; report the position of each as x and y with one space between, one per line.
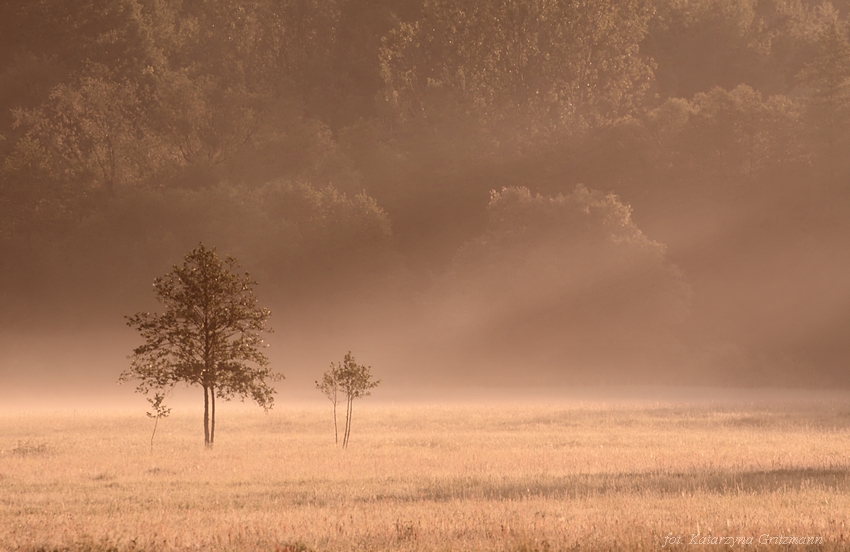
561 65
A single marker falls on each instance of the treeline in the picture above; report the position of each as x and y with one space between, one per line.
346 150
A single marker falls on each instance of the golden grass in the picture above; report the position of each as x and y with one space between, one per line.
517 478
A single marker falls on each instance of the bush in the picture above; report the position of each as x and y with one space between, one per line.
563 279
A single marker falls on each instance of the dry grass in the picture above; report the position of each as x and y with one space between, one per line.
427 478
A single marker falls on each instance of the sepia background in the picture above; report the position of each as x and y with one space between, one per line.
466 194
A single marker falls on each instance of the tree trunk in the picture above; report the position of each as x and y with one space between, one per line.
336 431
155 422
345 428
212 421
206 416
347 423
350 412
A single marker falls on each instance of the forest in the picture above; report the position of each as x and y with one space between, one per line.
478 191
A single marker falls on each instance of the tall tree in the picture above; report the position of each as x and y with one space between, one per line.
209 335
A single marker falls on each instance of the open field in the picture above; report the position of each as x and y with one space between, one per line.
520 478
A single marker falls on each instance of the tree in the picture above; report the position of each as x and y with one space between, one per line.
827 77
355 381
329 386
561 64
209 335
558 282
159 411
738 133
93 132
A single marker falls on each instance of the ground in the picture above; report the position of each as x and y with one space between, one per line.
513 477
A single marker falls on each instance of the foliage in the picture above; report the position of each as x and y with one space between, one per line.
557 63
353 381
209 335
827 76
737 133
93 130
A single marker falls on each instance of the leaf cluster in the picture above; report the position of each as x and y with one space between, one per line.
159 409
351 379
355 380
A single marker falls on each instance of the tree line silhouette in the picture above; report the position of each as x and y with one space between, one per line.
305 137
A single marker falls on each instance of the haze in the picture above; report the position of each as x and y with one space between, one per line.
466 195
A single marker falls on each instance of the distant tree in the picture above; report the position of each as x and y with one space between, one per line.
159 411
91 132
329 386
737 132
355 381
567 64
827 78
560 280
209 335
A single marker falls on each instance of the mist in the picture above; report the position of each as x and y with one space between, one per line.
466 199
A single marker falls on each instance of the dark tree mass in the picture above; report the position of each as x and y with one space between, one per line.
478 191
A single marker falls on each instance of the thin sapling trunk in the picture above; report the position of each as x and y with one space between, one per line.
159 411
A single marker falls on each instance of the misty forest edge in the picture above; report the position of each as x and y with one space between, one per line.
640 191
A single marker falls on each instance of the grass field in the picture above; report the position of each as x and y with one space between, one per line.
520 478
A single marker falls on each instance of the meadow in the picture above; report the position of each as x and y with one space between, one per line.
498 477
